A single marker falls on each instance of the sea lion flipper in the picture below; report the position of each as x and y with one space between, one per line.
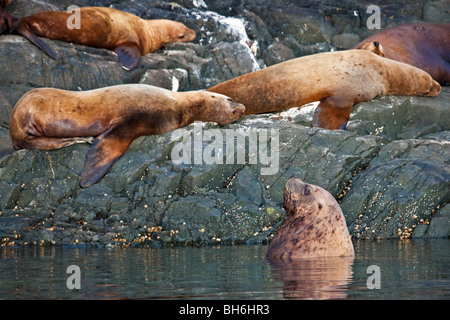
104 152
23 30
332 113
129 55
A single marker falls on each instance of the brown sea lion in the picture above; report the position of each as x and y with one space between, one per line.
128 35
49 119
314 225
425 46
337 79
6 20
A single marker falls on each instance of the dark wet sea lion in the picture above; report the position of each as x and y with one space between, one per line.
313 227
49 119
128 35
6 20
337 79
425 46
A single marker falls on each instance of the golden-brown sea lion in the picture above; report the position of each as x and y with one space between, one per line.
49 119
337 79
314 225
128 35
425 46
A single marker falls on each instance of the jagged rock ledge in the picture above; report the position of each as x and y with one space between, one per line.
389 170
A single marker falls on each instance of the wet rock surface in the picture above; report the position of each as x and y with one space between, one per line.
389 170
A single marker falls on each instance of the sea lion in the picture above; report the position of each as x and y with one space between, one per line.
314 225
48 119
6 19
425 46
128 35
337 79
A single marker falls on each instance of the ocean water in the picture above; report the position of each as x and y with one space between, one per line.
412 269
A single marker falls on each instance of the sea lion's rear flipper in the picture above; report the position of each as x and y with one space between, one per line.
129 55
332 113
23 30
104 152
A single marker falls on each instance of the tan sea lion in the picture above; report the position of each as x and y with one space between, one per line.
337 79
425 46
128 35
49 119
314 225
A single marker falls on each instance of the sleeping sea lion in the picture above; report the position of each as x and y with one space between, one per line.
49 119
128 35
338 80
425 46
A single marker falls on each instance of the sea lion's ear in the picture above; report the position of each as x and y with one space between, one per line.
129 55
330 115
104 152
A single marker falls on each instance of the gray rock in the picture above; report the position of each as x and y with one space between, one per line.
404 183
277 53
345 41
407 118
440 224
436 11
389 169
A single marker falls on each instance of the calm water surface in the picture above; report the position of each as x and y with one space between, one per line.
416 269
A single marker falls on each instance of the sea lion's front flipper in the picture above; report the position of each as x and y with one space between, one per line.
104 152
22 29
332 113
129 55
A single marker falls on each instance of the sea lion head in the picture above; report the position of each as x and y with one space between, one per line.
427 87
313 227
175 31
373 46
221 109
424 84
301 198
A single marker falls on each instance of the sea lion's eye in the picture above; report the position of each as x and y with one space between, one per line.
181 37
306 190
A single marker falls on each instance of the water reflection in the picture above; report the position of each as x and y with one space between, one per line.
409 270
318 279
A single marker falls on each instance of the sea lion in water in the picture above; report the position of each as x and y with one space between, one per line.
128 35
49 119
425 46
314 225
337 79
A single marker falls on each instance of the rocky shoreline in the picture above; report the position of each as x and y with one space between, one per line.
389 169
